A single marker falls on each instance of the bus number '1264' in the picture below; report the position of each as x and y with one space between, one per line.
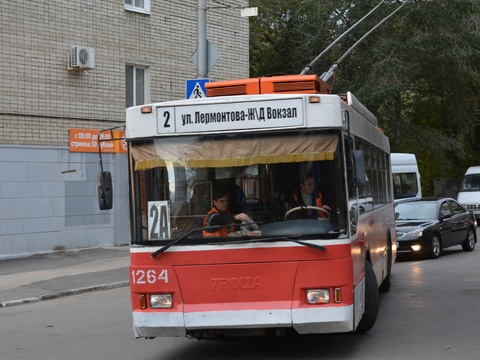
149 276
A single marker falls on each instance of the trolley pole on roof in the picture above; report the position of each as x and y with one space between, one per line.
202 39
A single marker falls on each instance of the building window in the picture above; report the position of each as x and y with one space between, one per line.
135 85
141 6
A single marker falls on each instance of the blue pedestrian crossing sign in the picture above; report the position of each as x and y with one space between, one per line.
196 88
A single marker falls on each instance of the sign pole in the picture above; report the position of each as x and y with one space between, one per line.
202 39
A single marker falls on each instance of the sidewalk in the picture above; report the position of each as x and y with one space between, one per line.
63 273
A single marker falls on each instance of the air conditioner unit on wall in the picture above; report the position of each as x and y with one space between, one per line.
81 57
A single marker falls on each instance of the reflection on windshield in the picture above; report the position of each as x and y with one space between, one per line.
471 183
285 185
416 211
405 185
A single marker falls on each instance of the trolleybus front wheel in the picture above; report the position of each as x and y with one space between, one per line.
372 301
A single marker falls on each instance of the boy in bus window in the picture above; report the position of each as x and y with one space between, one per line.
220 217
306 196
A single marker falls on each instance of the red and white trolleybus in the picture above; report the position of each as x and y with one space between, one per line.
288 272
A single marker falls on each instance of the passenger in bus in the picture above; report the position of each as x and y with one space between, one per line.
305 196
219 216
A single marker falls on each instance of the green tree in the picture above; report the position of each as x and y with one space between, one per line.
419 72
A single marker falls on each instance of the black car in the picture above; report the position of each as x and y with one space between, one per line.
429 225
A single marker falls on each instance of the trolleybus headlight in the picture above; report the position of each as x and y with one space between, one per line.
161 301
318 296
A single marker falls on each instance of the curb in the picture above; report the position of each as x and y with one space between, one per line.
64 293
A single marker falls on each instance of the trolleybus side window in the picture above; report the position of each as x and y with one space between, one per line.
378 188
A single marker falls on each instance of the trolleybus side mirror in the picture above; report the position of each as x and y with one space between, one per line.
359 175
105 190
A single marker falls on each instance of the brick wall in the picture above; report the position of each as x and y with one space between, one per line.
40 99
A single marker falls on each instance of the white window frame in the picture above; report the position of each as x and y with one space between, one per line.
129 5
146 83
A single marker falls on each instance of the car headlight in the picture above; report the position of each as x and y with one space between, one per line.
415 233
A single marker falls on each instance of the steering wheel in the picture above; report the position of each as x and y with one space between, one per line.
298 208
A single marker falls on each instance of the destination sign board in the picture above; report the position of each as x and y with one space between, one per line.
230 116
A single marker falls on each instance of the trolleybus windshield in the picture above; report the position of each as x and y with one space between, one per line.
175 179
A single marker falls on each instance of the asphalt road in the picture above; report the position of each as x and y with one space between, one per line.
431 312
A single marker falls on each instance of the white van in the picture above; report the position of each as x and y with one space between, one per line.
406 177
469 192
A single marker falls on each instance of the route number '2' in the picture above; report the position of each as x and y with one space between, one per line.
165 120
142 277
159 220
166 116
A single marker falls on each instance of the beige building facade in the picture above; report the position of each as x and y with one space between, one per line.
77 65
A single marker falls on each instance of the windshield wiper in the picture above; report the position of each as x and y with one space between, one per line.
277 238
246 241
162 249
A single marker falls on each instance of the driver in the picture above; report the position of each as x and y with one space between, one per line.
220 215
306 197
